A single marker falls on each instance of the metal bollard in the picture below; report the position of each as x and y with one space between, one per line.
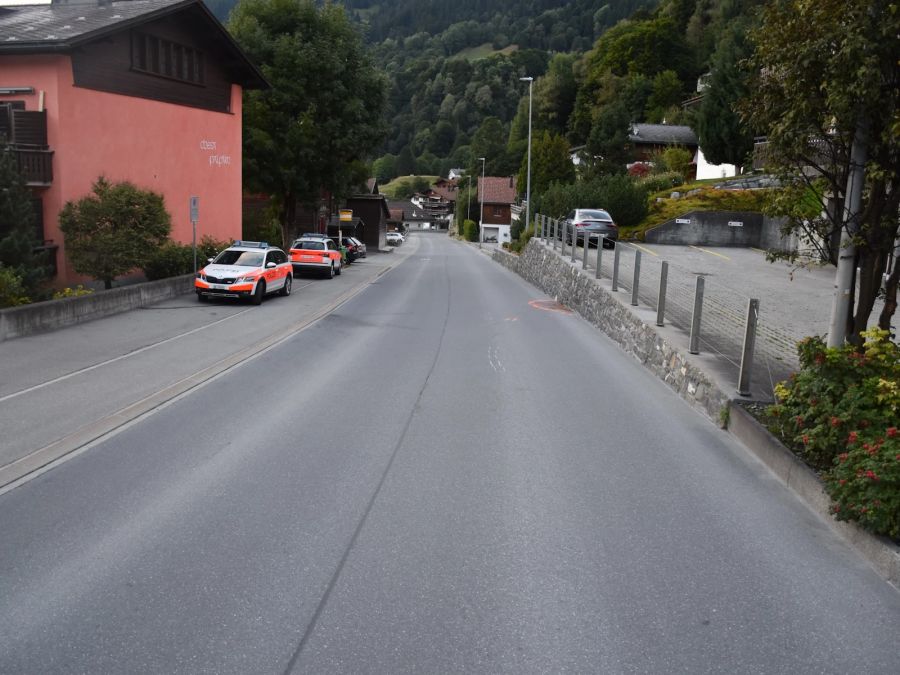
599 254
615 276
695 317
636 279
562 241
749 347
574 241
587 245
661 300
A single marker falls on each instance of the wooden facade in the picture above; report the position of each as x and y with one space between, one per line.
165 60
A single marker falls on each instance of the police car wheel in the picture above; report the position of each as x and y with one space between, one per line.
339 269
286 289
202 298
260 292
331 271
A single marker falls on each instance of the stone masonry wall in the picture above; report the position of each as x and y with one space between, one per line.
579 291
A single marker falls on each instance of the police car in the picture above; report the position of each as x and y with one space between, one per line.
246 269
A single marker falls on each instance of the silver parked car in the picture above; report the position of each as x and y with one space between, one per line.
590 224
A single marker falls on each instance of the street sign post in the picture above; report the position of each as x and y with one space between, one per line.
195 216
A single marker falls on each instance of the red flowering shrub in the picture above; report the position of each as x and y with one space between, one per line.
639 169
840 413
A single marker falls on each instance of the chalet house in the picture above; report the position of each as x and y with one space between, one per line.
651 139
496 196
147 91
437 203
407 215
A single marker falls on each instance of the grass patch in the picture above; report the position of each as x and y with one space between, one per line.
706 198
483 51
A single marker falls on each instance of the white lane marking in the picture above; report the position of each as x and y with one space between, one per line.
494 359
118 358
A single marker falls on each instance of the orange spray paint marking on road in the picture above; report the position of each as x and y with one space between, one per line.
550 306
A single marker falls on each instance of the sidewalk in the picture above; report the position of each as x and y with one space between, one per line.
64 389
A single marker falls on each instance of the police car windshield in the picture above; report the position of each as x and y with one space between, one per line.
239 258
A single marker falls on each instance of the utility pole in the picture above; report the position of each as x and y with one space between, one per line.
845 276
530 81
481 198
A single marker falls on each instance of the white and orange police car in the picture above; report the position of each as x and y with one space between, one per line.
246 269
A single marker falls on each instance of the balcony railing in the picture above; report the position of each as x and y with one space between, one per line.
36 166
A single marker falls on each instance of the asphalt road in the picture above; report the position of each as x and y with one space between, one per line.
437 477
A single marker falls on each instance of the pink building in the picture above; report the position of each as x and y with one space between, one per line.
147 91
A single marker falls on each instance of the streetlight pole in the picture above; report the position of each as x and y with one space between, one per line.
530 81
481 198
469 195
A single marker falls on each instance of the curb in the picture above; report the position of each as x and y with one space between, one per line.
879 551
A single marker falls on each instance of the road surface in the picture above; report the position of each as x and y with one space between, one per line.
447 474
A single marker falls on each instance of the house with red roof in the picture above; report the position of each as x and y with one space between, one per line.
496 195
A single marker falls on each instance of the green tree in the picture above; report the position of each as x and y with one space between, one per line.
724 136
323 112
17 233
385 168
116 229
550 163
667 92
829 71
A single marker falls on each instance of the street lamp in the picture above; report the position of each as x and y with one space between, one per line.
481 198
530 81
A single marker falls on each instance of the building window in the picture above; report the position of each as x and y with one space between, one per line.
156 56
498 211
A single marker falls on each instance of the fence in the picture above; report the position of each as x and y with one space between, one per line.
741 331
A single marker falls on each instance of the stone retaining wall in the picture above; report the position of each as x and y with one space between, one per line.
43 316
579 291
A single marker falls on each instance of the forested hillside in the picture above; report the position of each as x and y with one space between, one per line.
454 73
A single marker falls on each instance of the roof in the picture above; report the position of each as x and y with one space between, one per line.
497 189
662 134
365 198
448 192
60 28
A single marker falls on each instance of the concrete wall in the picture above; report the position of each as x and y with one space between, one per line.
579 291
43 316
722 228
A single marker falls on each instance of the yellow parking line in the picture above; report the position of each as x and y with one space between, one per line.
758 250
711 252
645 250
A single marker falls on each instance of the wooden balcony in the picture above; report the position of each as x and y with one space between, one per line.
36 166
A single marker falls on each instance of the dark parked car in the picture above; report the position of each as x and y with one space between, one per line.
590 224
360 248
352 248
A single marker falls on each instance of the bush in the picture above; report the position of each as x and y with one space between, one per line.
620 195
76 292
173 259
170 260
470 230
839 413
660 181
518 245
639 170
12 292
115 229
